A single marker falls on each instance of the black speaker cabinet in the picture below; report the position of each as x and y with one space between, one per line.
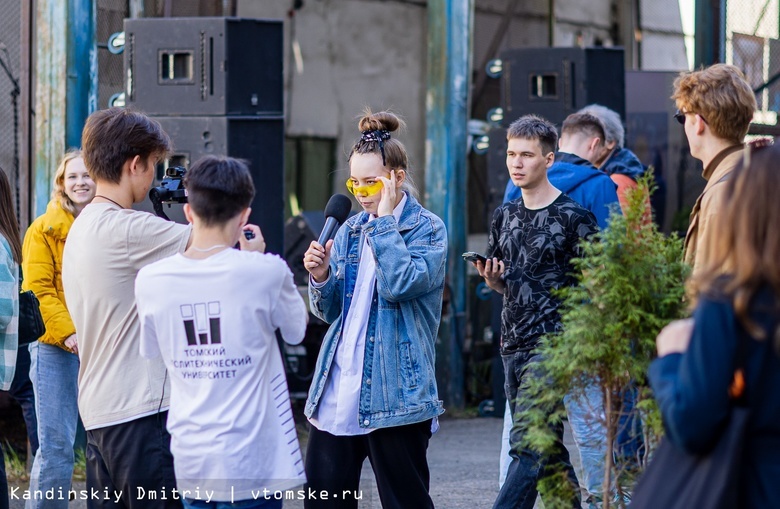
204 66
497 174
660 142
299 231
259 141
556 82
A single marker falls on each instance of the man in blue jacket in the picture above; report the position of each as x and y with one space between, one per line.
581 144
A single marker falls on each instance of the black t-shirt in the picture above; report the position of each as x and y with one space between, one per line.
537 247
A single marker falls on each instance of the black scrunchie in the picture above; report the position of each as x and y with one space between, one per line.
379 136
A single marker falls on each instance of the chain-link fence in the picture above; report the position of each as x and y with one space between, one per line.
10 106
753 45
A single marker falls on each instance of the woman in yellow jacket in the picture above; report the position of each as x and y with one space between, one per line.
54 357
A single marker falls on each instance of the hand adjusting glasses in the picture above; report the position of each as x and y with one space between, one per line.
364 190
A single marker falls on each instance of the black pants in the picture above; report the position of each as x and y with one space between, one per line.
22 391
397 455
133 458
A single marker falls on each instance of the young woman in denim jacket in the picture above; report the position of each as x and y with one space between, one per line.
379 284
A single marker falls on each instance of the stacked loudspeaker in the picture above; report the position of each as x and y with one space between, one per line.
555 82
552 83
216 87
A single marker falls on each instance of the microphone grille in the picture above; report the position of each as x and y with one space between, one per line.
338 207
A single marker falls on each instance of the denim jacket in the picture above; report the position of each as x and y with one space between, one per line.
398 383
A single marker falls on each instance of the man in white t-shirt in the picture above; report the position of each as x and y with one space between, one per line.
211 313
123 399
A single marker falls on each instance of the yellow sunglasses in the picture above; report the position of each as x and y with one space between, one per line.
365 190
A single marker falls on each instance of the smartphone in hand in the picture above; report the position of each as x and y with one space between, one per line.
471 256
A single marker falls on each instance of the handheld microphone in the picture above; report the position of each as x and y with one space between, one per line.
336 212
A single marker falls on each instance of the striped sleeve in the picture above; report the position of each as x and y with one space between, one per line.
9 314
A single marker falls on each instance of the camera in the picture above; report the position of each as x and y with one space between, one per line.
170 190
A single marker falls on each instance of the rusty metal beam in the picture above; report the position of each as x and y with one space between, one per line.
66 86
450 29
81 95
50 96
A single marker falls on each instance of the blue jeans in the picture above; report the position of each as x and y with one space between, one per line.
261 503
504 458
527 467
587 420
54 373
629 443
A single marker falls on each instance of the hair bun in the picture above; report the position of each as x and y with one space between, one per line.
382 120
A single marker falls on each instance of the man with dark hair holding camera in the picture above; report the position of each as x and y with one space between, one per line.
123 398
215 334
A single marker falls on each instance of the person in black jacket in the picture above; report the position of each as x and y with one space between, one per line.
738 299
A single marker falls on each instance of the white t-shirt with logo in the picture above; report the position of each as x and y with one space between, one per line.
213 323
106 247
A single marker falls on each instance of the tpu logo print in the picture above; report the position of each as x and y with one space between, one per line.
201 323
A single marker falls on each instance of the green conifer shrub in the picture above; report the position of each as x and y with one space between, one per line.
630 285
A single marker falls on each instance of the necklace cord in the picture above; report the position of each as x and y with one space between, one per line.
109 199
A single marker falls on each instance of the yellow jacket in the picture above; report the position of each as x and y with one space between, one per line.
42 250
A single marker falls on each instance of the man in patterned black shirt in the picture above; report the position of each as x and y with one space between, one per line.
532 242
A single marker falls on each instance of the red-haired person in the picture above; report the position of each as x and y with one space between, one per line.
715 106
